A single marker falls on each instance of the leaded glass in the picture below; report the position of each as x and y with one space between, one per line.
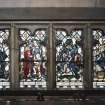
69 59
99 58
4 58
33 58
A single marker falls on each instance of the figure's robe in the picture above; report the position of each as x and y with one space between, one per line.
3 56
27 66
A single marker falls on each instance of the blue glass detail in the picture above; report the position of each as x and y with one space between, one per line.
69 57
3 56
101 60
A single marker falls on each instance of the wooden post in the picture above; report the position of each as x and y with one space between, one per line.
13 58
16 58
51 59
87 74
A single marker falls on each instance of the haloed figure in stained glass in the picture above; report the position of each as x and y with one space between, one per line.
33 58
4 59
30 67
70 53
99 54
4 54
69 57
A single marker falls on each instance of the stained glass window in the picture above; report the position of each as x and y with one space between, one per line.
33 58
99 58
4 58
69 59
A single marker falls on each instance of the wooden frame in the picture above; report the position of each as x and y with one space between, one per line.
51 16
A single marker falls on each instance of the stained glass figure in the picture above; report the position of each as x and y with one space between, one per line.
69 59
99 58
33 58
4 58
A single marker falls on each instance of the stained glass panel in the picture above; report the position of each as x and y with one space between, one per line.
4 58
99 58
69 59
33 58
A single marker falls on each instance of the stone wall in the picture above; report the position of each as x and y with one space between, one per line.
52 3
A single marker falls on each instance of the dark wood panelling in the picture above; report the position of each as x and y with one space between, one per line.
52 13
